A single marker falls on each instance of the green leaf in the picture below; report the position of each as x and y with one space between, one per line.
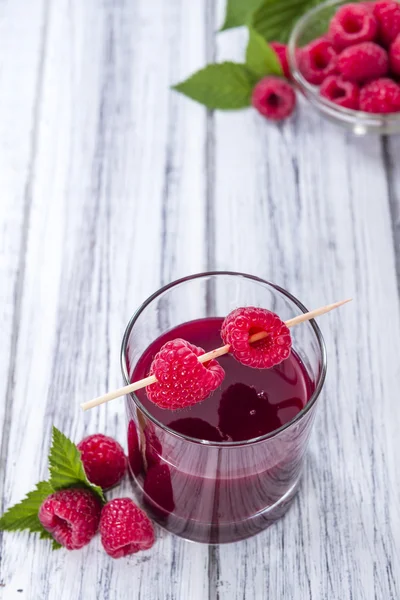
66 470
45 535
260 57
238 12
24 515
66 467
275 19
225 86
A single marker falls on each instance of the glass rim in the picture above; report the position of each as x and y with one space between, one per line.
321 377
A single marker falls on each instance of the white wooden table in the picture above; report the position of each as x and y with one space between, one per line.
110 186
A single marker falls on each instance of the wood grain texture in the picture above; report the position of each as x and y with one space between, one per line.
17 150
111 185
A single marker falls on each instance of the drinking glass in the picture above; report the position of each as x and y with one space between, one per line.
217 492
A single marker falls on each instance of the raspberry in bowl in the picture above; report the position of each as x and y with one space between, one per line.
227 466
344 58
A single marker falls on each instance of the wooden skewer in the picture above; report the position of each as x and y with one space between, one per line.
137 385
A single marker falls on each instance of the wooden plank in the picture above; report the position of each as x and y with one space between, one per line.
21 68
308 209
117 210
116 186
17 135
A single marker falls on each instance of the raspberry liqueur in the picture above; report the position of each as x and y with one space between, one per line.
248 403
210 495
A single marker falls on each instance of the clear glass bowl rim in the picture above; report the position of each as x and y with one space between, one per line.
204 275
352 117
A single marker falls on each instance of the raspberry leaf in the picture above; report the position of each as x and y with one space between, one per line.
225 86
260 57
238 12
66 467
24 515
274 19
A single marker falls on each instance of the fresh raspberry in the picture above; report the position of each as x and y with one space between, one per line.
196 428
281 51
125 528
157 486
134 454
181 379
242 323
71 516
104 460
274 98
380 96
317 60
363 62
244 414
351 25
341 92
394 56
388 16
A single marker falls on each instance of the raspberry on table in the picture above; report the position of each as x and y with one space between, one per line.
134 453
363 62
387 15
281 50
242 323
274 98
125 528
352 24
394 57
380 96
317 61
181 379
103 459
341 92
72 517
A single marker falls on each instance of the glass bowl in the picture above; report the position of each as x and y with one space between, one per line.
315 24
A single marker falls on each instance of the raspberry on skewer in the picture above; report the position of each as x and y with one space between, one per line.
181 379
272 349
209 356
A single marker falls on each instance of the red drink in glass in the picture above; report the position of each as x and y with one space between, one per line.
223 469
